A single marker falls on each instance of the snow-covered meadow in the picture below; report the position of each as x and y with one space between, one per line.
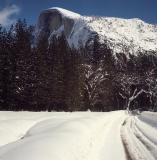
78 136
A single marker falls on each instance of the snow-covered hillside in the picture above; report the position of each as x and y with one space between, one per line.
134 33
78 136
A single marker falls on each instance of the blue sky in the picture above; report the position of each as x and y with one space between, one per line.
30 9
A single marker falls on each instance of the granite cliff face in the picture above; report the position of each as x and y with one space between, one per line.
131 33
56 19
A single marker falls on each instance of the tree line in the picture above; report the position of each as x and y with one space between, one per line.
49 75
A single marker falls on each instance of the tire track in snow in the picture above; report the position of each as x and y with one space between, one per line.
125 145
138 147
143 127
146 141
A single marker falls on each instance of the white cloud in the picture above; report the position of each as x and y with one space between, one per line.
7 13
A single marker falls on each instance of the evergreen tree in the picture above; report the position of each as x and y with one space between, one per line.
23 75
42 73
7 68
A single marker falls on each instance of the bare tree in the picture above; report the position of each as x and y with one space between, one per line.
131 87
151 82
94 79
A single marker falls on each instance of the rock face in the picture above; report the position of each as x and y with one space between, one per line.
55 19
131 33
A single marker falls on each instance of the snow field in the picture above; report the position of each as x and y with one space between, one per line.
78 136
70 136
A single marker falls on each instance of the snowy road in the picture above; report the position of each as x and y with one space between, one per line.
78 136
139 134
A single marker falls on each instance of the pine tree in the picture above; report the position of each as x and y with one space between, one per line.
7 69
60 62
42 73
97 51
23 77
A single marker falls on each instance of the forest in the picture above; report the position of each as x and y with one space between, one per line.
43 75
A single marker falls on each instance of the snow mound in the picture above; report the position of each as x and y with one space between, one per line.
68 136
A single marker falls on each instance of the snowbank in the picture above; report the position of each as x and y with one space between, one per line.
66 136
78 136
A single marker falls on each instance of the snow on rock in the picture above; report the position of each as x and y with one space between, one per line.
66 13
133 33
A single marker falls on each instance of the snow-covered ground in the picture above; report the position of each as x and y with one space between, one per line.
78 136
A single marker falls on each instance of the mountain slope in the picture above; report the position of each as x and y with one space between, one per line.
118 32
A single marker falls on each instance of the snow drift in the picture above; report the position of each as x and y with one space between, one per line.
79 135
64 136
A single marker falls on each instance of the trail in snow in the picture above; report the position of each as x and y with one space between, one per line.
77 136
139 137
